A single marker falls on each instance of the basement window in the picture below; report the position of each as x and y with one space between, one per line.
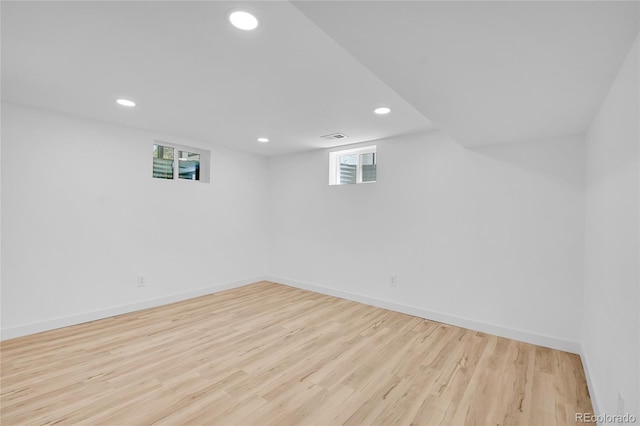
351 166
162 162
191 164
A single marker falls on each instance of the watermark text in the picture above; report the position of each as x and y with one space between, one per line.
605 418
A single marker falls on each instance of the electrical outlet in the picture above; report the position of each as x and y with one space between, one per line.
393 280
141 281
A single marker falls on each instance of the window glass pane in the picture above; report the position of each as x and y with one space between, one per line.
353 166
348 165
162 162
188 165
368 164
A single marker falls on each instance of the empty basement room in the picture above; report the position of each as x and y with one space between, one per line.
320 213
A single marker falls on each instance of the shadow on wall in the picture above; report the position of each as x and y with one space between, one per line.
550 161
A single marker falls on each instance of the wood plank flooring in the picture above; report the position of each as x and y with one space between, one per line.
269 354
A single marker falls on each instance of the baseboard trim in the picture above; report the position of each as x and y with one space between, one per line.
510 333
37 327
590 383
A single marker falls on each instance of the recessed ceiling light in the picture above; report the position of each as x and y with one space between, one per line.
382 110
125 102
263 140
243 20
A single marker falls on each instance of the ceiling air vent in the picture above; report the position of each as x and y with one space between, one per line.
334 136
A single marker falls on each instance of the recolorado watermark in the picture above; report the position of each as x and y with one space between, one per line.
605 418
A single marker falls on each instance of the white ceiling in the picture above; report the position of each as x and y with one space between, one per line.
484 72
194 75
489 71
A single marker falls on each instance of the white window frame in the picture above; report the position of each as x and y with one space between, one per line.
205 161
334 163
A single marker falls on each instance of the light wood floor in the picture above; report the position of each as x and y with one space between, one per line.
271 354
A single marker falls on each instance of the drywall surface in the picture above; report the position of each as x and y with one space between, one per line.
491 236
82 217
610 333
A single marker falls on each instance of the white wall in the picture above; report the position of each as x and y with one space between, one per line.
82 216
489 238
610 332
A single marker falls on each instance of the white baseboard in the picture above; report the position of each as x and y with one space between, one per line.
37 327
590 383
510 333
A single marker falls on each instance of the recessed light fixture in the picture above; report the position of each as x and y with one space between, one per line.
382 110
263 140
243 20
125 102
